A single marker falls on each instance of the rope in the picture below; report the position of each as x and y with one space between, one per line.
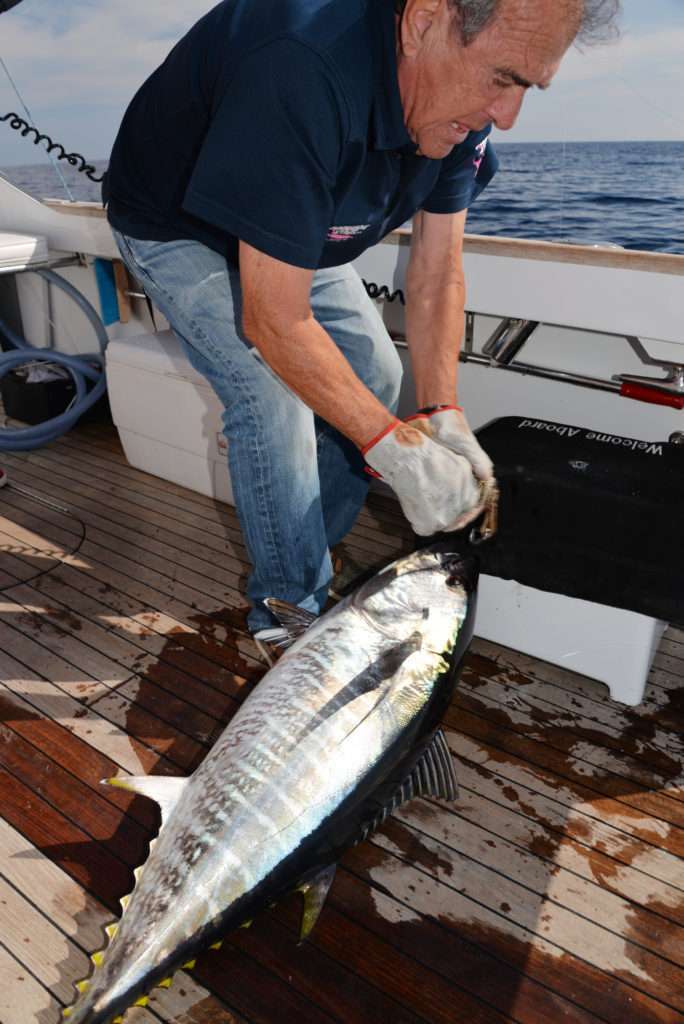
28 126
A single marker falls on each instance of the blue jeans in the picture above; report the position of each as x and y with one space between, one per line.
298 484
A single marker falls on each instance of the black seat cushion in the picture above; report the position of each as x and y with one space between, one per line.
589 515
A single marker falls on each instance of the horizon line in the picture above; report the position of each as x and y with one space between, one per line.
498 141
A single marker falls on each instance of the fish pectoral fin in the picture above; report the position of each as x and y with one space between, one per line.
432 775
292 618
315 894
164 789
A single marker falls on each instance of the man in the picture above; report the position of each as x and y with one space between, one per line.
279 140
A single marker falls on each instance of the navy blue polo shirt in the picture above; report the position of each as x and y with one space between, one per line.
279 122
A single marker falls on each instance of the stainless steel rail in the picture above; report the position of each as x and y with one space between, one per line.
526 368
509 337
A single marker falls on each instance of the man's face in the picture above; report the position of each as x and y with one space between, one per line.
448 89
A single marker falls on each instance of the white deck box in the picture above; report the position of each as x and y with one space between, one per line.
613 645
167 415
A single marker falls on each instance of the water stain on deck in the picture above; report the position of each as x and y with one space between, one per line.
616 955
194 686
641 733
207 1011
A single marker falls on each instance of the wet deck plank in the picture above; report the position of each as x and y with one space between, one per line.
553 888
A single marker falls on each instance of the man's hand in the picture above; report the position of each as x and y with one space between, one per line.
448 426
435 486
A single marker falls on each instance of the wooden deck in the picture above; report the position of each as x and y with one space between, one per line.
553 891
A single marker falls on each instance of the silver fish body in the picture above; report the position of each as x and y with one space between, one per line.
314 757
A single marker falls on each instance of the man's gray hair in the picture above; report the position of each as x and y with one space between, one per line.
598 21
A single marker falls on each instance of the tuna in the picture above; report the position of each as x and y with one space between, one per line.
340 732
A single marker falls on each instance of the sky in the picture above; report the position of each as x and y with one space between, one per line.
77 64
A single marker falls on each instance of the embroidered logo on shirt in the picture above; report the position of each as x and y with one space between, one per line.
480 150
346 232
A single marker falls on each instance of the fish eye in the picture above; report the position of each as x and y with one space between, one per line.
453 564
461 570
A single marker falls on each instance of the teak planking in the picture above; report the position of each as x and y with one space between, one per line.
552 890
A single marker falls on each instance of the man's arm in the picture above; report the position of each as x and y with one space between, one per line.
278 320
435 302
435 486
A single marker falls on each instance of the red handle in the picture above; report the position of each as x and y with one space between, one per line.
644 393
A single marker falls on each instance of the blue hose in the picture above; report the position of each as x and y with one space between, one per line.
83 369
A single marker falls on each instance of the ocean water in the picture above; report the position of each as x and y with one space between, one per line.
624 193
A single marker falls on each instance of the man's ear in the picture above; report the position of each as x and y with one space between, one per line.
416 20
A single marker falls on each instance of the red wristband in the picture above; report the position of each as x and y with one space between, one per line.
384 433
428 410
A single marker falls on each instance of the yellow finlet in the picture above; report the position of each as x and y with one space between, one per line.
247 924
98 958
190 964
111 930
217 945
166 983
121 783
117 1020
143 1001
67 1012
124 901
83 986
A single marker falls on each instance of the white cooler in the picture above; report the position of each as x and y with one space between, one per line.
167 415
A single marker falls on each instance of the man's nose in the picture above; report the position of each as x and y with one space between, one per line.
504 110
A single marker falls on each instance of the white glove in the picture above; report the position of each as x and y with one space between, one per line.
447 425
435 486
